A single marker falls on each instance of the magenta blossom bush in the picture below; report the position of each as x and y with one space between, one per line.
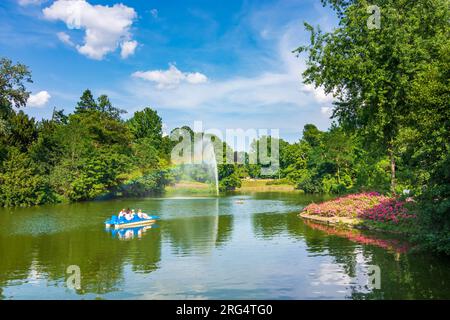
391 209
347 206
368 205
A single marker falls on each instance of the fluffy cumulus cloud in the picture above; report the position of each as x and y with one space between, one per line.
105 27
39 99
171 78
128 48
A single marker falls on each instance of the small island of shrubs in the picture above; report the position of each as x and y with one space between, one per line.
370 210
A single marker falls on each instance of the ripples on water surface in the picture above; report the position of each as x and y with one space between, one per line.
244 246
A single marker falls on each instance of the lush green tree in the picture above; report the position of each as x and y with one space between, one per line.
153 182
22 131
47 149
13 92
21 182
96 153
86 103
102 129
85 155
312 135
228 171
294 159
105 106
96 176
147 124
145 155
230 182
338 149
267 159
371 71
391 85
59 117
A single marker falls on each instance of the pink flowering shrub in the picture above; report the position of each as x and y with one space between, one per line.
350 206
369 205
391 209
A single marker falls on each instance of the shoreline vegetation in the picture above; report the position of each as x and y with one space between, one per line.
367 211
247 185
266 185
390 131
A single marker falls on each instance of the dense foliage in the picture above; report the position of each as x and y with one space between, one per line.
89 154
391 86
333 161
391 133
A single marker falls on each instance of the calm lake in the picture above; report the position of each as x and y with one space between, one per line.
241 246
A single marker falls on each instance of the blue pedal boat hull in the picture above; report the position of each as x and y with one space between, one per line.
118 223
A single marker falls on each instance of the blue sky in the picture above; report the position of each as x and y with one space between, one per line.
226 63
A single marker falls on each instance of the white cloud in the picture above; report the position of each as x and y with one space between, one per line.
128 48
196 77
171 78
328 111
154 13
279 87
31 2
65 38
237 94
39 99
265 91
105 27
318 93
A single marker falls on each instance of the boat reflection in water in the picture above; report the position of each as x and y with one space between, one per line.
131 233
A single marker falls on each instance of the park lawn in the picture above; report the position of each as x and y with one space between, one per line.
265 185
190 187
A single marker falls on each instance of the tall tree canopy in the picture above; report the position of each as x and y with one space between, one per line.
373 72
13 77
86 103
146 124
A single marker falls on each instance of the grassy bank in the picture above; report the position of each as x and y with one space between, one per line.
190 187
256 185
265 185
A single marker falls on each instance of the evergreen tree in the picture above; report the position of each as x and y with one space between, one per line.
86 103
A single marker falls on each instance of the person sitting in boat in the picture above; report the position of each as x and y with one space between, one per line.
122 213
142 215
129 215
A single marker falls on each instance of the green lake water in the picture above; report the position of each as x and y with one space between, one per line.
241 246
